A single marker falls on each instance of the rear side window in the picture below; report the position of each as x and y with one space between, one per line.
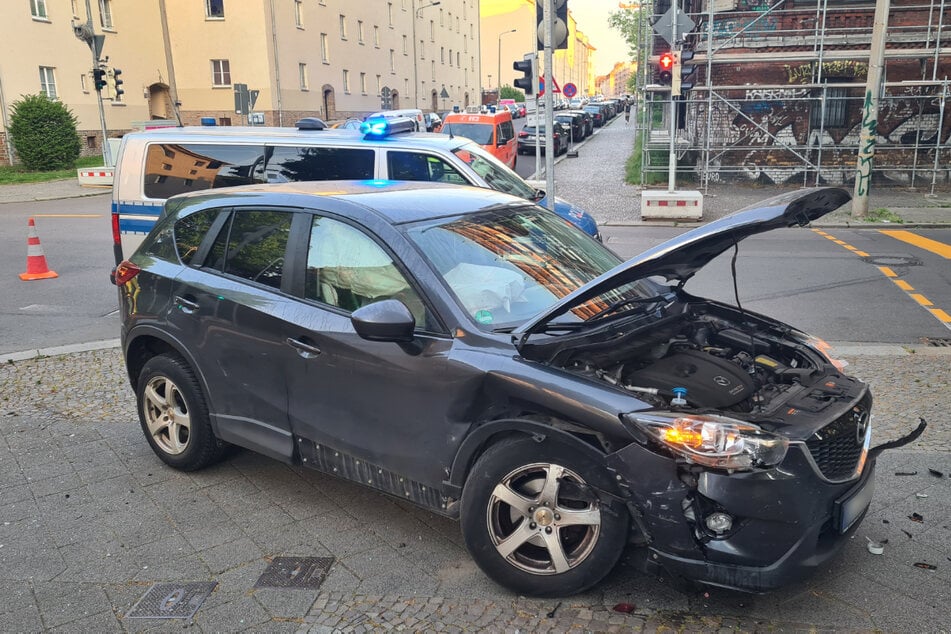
253 246
190 231
178 168
413 166
291 164
506 132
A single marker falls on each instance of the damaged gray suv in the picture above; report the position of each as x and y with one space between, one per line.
475 354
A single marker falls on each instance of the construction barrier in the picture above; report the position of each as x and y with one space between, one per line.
95 176
36 268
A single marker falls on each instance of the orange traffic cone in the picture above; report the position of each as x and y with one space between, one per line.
36 268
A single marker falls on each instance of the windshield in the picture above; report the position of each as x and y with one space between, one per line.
481 133
494 172
505 266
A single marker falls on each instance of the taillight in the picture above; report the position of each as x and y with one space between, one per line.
124 273
523 133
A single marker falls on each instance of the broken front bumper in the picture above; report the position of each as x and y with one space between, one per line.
787 521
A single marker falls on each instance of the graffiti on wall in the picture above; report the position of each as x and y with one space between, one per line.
724 29
840 69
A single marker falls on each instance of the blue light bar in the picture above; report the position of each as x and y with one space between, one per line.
380 127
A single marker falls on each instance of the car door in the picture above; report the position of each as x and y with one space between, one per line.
229 307
354 401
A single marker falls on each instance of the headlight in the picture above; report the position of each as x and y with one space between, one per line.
713 441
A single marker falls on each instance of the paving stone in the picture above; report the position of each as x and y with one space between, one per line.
231 555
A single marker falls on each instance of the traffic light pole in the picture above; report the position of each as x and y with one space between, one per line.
672 123
106 150
549 109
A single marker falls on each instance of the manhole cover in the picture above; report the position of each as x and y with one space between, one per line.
893 260
295 572
172 600
938 343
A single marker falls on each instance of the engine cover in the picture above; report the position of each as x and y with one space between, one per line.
710 381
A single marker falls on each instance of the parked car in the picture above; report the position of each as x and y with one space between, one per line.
526 138
574 123
588 121
433 121
469 352
597 113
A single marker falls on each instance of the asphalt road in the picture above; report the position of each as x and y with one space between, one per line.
797 275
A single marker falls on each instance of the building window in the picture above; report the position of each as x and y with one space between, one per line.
343 27
38 9
225 121
302 72
422 49
299 13
220 72
360 31
836 111
324 48
433 63
47 82
346 81
389 13
457 59
376 36
105 14
215 9
363 83
404 46
91 142
441 23
403 4
82 83
379 85
392 61
74 5
450 57
442 54
432 30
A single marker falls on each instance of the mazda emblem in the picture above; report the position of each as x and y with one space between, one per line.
861 419
721 380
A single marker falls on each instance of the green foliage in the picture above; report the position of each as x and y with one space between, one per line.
883 215
18 174
631 24
43 133
507 92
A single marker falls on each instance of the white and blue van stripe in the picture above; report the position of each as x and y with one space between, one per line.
136 217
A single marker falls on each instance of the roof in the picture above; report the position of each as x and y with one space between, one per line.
396 201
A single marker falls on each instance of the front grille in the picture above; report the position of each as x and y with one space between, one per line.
836 448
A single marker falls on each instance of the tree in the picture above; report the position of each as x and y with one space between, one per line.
507 92
43 133
631 23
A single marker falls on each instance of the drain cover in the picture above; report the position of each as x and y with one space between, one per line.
295 572
939 343
172 600
900 259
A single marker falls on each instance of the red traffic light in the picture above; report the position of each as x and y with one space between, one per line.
666 61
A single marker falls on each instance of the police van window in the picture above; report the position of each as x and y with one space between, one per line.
178 168
253 246
413 166
290 164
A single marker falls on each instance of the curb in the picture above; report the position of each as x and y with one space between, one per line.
55 351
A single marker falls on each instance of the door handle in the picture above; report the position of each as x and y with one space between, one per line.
306 350
186 305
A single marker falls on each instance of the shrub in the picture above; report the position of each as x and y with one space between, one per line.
43 133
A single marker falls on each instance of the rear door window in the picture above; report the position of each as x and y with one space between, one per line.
176 168
415 166
253 246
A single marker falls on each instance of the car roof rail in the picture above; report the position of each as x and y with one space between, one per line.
310 123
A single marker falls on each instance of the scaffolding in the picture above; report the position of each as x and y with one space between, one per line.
780 90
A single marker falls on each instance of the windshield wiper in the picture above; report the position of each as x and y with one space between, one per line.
624 303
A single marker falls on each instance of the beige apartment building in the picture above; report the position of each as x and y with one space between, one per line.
326 58
508 32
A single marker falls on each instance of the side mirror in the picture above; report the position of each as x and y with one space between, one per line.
386 320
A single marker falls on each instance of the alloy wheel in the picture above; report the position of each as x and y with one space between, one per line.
166 415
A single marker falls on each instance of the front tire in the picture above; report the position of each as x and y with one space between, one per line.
533 521
174 415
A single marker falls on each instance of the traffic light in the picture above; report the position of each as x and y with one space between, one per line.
686 70
559 34
526 83
665 67
117 91
99 78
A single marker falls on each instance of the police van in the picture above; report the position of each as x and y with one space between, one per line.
156 164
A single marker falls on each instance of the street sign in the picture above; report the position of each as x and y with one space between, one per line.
541 86
444 94
569 90
664 27
241 99
252 98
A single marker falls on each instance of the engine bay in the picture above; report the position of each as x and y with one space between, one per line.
701 357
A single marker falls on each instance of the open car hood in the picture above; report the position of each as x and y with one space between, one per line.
679 258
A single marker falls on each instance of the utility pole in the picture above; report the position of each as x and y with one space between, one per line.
672 124
549 17
86 33
869 132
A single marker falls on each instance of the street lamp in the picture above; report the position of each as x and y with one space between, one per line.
499 75
419 11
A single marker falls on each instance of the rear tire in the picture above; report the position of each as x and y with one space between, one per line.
174 415
532 523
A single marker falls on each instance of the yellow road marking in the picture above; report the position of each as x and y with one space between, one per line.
903 285
861 254
941 315
67 215
942 249
887 271
921 299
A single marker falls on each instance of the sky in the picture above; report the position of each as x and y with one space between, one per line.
592 17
